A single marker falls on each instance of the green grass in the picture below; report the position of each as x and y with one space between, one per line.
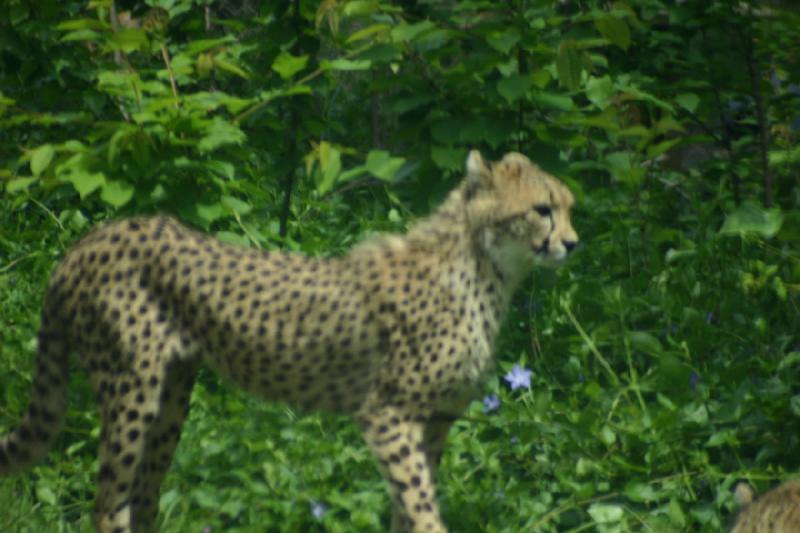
656 385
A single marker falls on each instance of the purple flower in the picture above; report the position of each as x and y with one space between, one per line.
318 509
694 380
491 403
519 377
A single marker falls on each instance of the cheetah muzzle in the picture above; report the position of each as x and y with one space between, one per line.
398 333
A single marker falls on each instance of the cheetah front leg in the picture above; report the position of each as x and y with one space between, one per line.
399 444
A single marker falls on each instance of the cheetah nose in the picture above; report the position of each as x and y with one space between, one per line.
570 245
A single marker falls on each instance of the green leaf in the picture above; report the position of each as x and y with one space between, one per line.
688 101
569 65
345 64
117 193
85 182
645 342
448 158
81 24
604 513
615 30
220 132
223 64
514 87
129 40
599 90
18 184
752 218
640 492
382 165
45 494
41 158
330 164
368 32
503 41
81 35
209 212
236 205
287 65
407 32
560 102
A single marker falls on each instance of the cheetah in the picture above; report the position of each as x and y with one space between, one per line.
397 333
776 511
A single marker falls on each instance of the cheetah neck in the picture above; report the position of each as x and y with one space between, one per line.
494 272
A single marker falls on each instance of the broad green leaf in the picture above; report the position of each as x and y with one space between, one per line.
790 156
645 342
560 102
45 494
236 205
232 238
448 158
615 30
688 101
640 492
223 64
41 158
722 438
220 132
656 150
607 435
330 164
85 182
407 32
514 87
129 40
345 64
695 413
117 193
81 24
604 513
287 65
622 168
209 212
569 65
503 41
368 32
382 165
81 35
599 90
751 218
18 184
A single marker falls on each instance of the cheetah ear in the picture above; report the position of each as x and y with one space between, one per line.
743 493
477 171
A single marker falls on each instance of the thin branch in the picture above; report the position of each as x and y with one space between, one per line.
165 56
761 117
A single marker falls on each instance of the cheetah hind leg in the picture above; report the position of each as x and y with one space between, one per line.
161 440
137 433
398 443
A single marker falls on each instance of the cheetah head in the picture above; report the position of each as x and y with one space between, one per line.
520 213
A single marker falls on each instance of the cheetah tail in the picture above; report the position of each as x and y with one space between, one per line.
34 436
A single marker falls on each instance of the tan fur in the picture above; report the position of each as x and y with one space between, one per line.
398 333
776 511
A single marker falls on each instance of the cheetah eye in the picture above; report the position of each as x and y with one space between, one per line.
543 210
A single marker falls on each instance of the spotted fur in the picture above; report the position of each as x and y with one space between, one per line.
398 333
776 511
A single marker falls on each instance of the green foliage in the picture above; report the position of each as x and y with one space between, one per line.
664 357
